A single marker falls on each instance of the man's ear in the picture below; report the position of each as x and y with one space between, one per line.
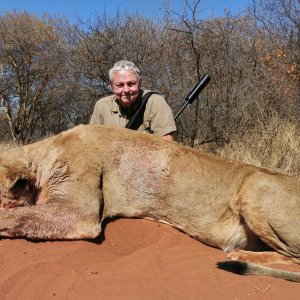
111 85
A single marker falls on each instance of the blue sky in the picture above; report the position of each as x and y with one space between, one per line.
87 8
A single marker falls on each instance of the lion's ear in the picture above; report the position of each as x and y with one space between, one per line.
16 174
20 175
22 186
19 179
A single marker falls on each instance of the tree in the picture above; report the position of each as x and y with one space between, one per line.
31 56
279 20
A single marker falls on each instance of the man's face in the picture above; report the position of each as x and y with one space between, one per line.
126 86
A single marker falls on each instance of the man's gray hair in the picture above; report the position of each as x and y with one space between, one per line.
124 65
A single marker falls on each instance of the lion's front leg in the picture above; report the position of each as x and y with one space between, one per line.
49 221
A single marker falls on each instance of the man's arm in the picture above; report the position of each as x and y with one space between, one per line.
159 113
97 117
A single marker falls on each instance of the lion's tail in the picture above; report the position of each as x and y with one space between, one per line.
244 268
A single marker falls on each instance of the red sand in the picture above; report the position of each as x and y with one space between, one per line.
138 259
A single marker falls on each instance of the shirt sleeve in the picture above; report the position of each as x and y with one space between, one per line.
159 115
97 116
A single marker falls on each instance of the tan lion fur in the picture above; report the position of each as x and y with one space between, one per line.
64 186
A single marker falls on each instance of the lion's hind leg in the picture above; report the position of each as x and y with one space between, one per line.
264 258
270 206
245 245
277 233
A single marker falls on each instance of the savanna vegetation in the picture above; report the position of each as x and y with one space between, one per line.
52 72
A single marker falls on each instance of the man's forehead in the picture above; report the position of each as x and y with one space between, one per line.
124 76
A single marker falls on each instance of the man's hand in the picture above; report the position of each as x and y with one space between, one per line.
168 137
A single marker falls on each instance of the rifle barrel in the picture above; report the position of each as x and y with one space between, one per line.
198 88
181 110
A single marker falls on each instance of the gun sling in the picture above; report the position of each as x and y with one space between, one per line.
137 119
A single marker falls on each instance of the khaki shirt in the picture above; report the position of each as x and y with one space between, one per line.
158 117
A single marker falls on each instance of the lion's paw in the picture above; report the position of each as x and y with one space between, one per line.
236 254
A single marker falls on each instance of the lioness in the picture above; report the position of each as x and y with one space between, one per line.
63 188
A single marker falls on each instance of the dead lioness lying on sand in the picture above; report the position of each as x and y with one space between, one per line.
63 188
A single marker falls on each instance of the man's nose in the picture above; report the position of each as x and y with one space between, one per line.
126 88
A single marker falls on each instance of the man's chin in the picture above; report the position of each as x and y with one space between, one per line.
127 102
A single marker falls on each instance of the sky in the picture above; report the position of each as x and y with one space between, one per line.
85 9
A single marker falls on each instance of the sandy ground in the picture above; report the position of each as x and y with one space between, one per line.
138 259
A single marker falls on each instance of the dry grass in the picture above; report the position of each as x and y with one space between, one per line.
275 145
